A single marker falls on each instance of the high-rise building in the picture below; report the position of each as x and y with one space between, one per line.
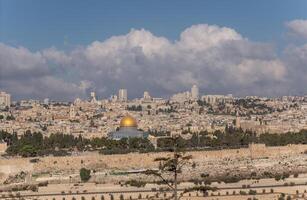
122 95
194 92
5 100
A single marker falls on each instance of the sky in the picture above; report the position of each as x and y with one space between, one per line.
64 49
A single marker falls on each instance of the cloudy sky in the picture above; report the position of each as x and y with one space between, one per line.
65 50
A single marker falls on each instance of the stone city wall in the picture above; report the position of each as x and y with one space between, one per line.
72 164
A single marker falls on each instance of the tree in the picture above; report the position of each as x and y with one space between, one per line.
85 174
171 166
28 151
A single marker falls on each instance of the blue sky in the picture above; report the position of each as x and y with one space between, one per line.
65 49
38 24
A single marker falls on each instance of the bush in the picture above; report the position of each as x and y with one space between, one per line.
231 179
243 192
252 192
278 177
85 174
43 184
135 183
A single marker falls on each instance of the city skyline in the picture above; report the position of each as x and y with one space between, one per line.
242 57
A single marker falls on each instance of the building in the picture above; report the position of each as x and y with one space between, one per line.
46 101
5 100
146 97
122 95
93 97
215 99
181 97
194 92
127 129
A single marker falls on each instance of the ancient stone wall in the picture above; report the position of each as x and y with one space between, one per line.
72 164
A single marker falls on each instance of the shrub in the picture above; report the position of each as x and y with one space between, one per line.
85 174
278 177
135 183
252 192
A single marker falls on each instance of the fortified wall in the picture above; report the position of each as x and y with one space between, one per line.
132 161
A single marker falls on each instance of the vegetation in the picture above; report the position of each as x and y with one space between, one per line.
234 138
135 183
134 108
171 166
36 144
85 174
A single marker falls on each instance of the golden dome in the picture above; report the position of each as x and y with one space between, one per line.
128 121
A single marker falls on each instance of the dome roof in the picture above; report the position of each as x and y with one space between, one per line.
128 121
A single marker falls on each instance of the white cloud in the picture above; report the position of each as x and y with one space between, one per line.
218 59
204 36
27 74
298 27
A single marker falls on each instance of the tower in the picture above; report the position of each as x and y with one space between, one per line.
93 97
72 112
122 95
194 92
5 100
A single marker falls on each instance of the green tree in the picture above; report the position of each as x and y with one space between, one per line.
171 166
85 174
28 151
